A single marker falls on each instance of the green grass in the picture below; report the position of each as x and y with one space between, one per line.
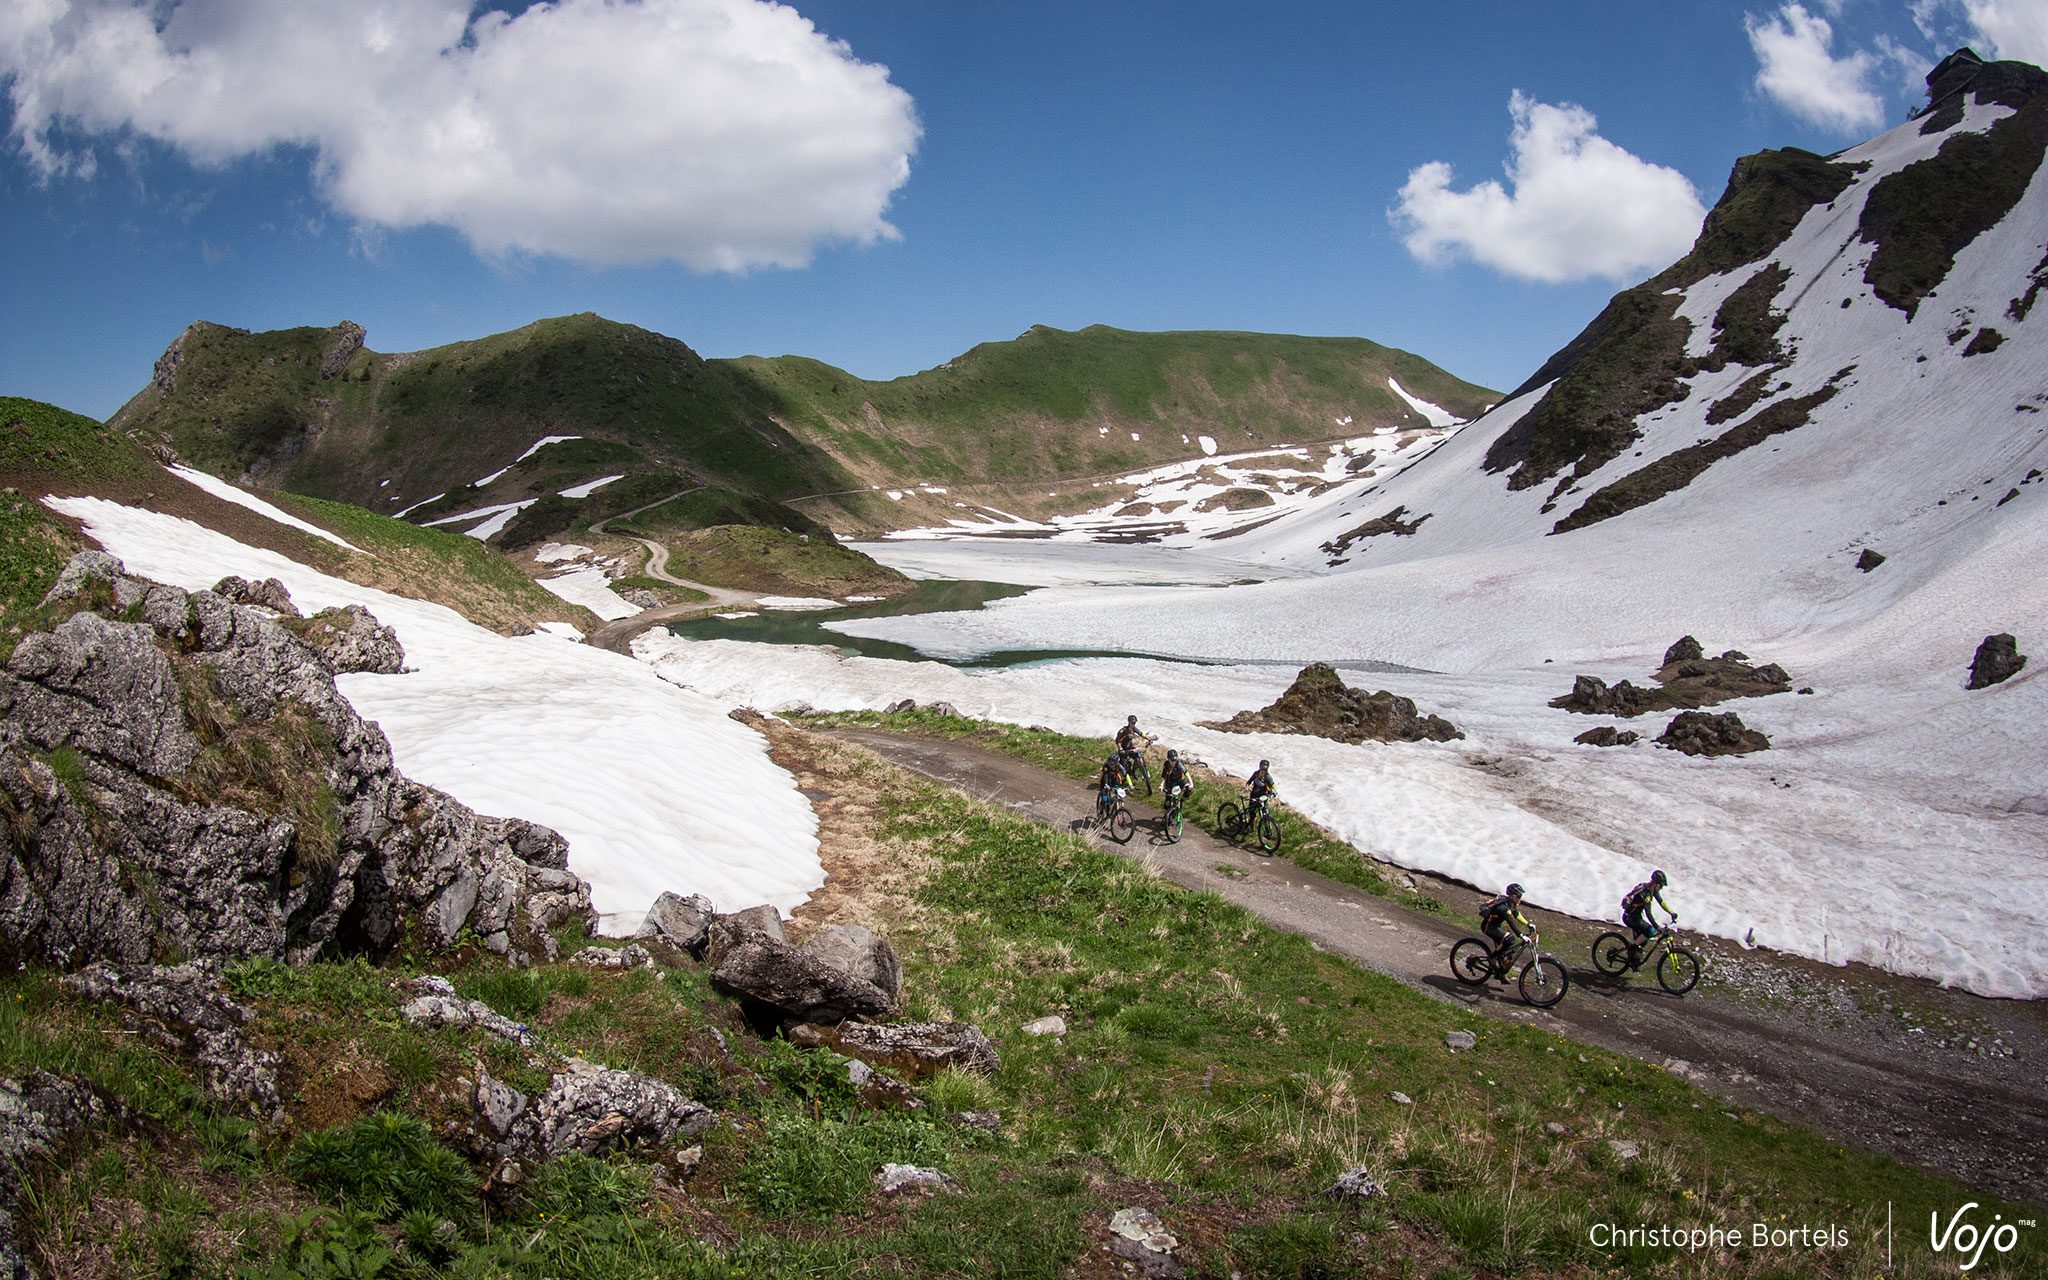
1214 1071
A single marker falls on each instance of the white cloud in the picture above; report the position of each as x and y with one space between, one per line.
2016 29
1800 74
1580 206
723 134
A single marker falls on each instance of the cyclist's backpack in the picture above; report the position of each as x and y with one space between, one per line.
1494 910
1638 897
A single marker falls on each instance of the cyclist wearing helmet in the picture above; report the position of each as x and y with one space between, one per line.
1131 741
1503 922
1173 775
1260 787
1636 913
1113 775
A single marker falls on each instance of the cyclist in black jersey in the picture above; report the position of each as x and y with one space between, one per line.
1131 741
1260 786
1503 922
1174 774
1636 913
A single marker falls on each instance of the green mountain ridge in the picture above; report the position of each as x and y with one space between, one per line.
313 410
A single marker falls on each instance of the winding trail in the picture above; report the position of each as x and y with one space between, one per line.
618 635
1812 1049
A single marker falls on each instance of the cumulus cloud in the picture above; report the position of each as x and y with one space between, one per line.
1579 206
2016 29
1797 70
722 134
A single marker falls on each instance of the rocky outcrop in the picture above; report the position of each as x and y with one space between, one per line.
39 1114
1998 659
593 1110
348 339
1702 733
724 932
1320 703
350 639
182 1009
1608 736
192 785
268 594
910 1049
1687 680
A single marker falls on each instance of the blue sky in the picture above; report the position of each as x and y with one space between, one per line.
882 184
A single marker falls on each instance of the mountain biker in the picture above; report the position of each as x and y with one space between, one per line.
1636 913
1131 742
1113 777
1173 776
1259 788
1502 921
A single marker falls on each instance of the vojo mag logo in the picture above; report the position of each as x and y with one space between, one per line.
1966 1235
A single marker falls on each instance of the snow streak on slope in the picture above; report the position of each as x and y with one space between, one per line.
654 788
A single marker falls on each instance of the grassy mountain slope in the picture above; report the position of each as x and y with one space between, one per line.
313 411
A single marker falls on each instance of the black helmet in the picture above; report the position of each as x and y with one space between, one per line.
1659 878
1130 719
1172 754
1514 891
1264 763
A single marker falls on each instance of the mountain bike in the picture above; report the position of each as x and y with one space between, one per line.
1543 980
1235 821
1111 815
1135 767
1172 819
1678 969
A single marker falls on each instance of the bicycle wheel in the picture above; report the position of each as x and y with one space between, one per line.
1121 825
1544 982
1171 825
1610 954
1145 774
1268 834
1678 971
1472 961
1229 820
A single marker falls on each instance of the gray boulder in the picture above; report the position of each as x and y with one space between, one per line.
860 952
595 1109
268 594
351 639
797 984
681 922
910 1049
727 931
1702 733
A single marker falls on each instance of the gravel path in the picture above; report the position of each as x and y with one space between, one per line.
1936 1078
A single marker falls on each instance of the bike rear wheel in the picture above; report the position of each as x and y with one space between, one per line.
1544 982
1268 832
1610 954
1678 971
1121 825
1171 824
1229 820
1472 961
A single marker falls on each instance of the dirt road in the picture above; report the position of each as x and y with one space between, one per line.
1935 1078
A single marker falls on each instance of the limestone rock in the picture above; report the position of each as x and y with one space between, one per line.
796 984
132 852
913 1049
1357 1183
679 921
39 1114
351 639
1456 1040
1608 736
595 1109
860 952
895 1179
630 956
727 931
1051 1024
268 594
183 1009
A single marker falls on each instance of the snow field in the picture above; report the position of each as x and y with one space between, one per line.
653 787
